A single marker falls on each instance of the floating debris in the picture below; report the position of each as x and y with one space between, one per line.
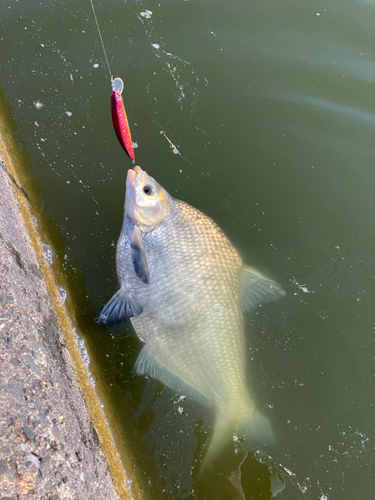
181 398
96 65
155 45
174 149
62 293
69 113
38 104
47 252
146 14
82 348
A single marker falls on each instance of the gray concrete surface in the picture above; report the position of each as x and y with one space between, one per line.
49 448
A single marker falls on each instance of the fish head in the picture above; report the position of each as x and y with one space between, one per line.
146 202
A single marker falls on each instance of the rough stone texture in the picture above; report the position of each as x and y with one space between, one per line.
48 446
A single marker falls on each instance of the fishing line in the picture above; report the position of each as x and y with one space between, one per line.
119 118
101 40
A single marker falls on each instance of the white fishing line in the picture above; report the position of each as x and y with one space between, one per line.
101 40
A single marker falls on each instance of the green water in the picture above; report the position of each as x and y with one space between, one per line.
272 108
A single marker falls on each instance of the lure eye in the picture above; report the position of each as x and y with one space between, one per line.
148 190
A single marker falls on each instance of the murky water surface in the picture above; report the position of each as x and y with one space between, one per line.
271 106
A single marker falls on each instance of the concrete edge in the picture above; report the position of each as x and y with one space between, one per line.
8 150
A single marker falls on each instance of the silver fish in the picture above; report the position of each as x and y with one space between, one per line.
184 287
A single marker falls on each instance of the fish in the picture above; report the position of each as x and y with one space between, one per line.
185 289
119 118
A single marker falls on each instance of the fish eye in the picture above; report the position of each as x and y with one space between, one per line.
148 190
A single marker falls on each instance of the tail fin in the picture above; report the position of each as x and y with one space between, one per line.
254 432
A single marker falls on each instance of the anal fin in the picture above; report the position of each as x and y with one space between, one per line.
119 308
148 364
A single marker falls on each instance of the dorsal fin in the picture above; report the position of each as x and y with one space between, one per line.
258 290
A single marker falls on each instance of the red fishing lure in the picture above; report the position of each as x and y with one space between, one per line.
120 120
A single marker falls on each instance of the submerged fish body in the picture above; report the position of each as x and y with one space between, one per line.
183 285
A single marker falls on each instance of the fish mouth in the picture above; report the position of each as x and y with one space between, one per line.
134 176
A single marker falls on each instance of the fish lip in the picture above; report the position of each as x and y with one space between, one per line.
134 176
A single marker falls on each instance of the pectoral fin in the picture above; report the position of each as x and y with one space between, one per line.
119 308
258 290
148 364
139 257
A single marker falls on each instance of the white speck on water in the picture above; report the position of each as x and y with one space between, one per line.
69 113
302 287
180 410
180 171
288 471
135 145
47 252
235 438
318 13
96 65
155 45
42 44
146 14
323 497
38 104
68 182
181 398
337 247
